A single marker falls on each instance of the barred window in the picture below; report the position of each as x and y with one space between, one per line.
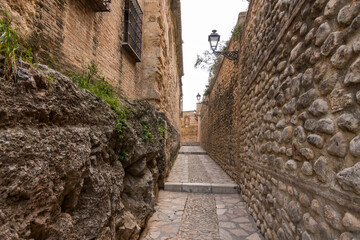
133 28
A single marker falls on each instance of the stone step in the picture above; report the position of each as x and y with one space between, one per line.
193 153
190 144
215 188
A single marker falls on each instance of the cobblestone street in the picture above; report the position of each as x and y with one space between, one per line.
197 213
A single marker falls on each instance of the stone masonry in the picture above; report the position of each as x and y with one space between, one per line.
285 125
68 35
65 171
189 127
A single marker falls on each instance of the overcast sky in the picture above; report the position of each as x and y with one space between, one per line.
199 17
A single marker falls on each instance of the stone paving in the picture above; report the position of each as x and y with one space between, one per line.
199 216
191 149
234 220
197 169
199 220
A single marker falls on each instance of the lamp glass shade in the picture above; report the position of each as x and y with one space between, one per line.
214 39
198 96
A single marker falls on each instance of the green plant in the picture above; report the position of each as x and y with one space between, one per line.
122 115
212 63
123 155
50 77
90 78
26 55
162 130
236 33
9 43
52 64
92 70
147 135
12 49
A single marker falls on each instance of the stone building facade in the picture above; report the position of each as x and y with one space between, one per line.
283 121
189 126
71 34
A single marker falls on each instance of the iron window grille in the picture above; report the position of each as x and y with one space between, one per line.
133 28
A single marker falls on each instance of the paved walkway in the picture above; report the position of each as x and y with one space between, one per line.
194 168
185 215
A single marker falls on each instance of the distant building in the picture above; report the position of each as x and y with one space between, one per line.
190 124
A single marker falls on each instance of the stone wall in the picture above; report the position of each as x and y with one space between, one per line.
65 172
290 120
189 127
216 125
162 60
70 34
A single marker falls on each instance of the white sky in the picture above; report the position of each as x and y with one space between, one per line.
199 18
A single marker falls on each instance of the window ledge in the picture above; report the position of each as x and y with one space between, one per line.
132 51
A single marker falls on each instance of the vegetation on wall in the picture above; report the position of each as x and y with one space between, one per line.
162 130
147 135
236 32
91 79
123 155
11 48
212 64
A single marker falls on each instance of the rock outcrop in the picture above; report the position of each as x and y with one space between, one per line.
65 172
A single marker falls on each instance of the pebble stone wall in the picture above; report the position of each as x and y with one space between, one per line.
293 141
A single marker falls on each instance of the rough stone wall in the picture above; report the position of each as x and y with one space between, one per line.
65 173
71 34
162 61
216 125
189 127
295 119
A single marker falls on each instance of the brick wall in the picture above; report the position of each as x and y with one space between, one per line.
290 121
71 35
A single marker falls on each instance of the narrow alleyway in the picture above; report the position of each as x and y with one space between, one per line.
200 201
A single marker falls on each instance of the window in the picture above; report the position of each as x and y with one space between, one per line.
133 28
187 121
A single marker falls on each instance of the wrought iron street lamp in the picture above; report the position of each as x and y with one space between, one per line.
214 39
198 96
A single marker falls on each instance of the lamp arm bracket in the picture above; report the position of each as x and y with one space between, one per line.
231 55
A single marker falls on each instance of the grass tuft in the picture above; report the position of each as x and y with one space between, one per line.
9 44
12 49
91 79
